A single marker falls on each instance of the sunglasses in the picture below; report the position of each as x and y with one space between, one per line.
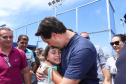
86 37
6 59
116 43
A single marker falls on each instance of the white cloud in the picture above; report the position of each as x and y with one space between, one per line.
8 24
98 11
15 6
9 8
4 13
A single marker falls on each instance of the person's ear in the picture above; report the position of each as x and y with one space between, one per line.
47 58
89 38
54 35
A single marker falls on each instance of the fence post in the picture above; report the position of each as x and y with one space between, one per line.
77 19
109 26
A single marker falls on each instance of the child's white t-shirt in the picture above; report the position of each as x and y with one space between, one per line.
47 80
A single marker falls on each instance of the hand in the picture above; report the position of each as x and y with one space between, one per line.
31 72
39 74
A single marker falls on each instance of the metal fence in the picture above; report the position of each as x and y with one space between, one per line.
96 18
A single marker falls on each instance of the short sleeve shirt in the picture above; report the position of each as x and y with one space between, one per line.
110 65
79 60
30 57
47 79
18 61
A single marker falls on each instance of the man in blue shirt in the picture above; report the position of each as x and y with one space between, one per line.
78 54
22 44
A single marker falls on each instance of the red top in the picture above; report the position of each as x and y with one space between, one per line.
18 61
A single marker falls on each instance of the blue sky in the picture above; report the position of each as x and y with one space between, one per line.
91 18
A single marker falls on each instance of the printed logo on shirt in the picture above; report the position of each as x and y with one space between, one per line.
113 70
16 59
28 55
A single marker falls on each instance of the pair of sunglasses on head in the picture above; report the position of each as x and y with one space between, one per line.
116 43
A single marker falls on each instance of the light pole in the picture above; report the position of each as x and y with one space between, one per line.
122 22
3 25
125 18
55 4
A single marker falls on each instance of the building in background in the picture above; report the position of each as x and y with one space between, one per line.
31 47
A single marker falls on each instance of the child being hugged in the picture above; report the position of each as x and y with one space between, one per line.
52 55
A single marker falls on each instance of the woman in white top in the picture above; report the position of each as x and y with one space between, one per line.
117 43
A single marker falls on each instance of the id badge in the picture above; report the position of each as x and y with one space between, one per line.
28 55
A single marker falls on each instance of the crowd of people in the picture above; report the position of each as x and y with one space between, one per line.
69 58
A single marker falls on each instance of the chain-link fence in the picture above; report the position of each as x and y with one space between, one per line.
96 18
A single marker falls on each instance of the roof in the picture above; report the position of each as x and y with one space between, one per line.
15 45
